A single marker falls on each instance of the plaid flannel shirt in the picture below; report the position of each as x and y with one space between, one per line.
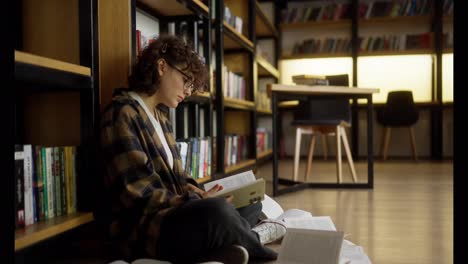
138 179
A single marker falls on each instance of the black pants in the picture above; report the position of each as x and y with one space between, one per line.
199 227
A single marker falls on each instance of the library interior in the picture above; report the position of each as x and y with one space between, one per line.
335 116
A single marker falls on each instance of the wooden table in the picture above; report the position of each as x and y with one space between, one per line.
281 92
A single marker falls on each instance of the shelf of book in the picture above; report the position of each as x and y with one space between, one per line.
317 24
315 55
49 228
264 154
203 180
238 104
404 20
263 26
234 40
44 62
447 50
175 8
266 69
240 165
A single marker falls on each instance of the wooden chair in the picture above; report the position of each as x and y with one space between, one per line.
324 116
399 111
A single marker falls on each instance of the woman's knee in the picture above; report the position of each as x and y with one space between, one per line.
217 209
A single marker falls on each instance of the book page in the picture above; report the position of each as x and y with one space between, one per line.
310 246
294 213
351 253
232 182
270 208
317 223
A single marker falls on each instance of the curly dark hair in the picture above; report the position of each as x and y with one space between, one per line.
145 77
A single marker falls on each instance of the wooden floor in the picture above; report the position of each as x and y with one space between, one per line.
407 217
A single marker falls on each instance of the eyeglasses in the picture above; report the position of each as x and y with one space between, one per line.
188 83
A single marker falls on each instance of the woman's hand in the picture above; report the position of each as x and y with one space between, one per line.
210 193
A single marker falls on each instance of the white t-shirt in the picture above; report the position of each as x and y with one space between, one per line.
157 127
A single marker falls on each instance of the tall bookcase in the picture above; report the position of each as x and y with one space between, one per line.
238 117
368 28
56 96
267 39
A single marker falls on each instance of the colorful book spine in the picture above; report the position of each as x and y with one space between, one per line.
19 187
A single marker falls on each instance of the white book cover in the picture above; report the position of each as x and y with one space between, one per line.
28 186
305 246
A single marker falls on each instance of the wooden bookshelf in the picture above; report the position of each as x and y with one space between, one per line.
264 111
240 165
234 40
343 23
238 104
265 154
266 69
204 97
39 61
315 55
263 26
447 50
49 228
174 8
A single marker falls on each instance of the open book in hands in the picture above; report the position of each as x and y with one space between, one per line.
244 188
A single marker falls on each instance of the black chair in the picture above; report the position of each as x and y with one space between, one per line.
324 116
399 111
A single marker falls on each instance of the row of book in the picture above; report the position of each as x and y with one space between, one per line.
263 100
264 139
331 11
45 183
235 149
401 42
394 8
447 7
233 20
369 43
233 84
196 155
328 45
366 10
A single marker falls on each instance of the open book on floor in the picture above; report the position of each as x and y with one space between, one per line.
245 188
306 234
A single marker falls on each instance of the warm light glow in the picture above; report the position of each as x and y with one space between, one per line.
322 66
447 77
402 72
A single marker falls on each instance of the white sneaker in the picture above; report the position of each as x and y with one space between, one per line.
270 231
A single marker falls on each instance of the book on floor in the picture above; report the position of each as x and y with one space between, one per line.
244 188
310 246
